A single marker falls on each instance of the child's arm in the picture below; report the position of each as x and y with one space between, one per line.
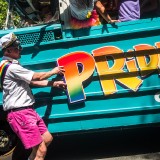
102 11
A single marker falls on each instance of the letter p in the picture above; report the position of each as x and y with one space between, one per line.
79 66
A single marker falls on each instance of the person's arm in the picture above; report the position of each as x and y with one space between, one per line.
102 11
45 75
46 83
116 4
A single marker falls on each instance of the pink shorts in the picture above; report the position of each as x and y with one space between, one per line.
28 126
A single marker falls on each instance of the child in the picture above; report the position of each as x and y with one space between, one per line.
83 14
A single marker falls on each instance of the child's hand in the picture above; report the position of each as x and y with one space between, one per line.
114 21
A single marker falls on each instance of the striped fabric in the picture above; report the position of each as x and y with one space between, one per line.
3 70
93 20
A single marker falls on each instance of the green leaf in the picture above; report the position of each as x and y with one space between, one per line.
3 14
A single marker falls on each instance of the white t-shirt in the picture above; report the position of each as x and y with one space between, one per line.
16 90
79 8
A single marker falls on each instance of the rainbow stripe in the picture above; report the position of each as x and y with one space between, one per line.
3 70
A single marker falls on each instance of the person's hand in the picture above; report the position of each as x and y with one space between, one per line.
58 70
113 21
60 84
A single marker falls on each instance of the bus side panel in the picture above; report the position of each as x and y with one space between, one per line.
123 90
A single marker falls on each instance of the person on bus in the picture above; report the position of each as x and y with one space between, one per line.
18 100
110 5
105 6
83 14
128 10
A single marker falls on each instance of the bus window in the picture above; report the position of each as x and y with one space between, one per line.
35 12
150 8
48 10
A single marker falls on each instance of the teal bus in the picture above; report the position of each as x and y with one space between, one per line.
112 73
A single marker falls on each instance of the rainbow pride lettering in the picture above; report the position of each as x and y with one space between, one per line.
79 67
73 77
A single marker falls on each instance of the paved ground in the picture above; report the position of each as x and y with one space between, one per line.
118 145
150 156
